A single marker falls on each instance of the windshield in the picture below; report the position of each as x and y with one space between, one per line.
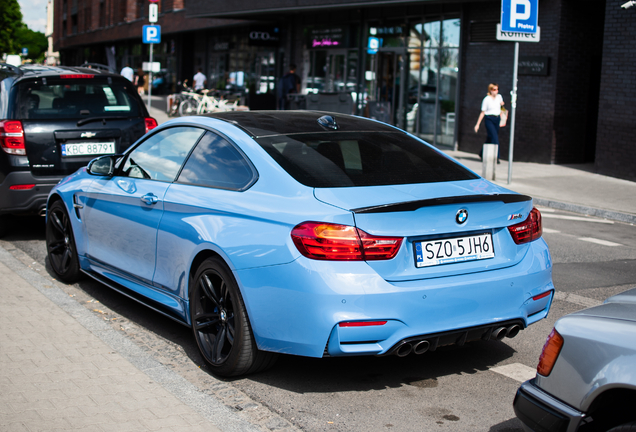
75 99
346 159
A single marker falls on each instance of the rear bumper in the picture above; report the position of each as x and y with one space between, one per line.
296 308
540 412
29 201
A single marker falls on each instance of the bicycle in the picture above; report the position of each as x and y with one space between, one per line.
174 102
197 104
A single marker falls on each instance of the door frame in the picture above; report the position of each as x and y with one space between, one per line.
399 71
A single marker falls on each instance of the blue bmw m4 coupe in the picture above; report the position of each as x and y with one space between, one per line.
303 233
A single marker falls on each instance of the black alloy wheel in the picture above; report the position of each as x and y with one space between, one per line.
60 244
220 323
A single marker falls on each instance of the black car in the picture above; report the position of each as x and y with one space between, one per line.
53 121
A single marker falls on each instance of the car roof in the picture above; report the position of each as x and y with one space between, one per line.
269 123
37 71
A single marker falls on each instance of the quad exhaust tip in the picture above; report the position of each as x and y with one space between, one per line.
421 346
418 347
502 332
404 350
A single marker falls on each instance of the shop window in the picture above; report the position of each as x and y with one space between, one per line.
411 80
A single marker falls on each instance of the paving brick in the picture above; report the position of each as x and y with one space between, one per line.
82 420
166 422
120 414
81 401
20 407
129 425
57 375
15 427
28 417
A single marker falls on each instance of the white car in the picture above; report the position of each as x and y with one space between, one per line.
586 377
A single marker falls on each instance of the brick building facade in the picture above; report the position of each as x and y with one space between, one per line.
576 109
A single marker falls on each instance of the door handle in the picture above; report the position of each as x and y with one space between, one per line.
150 199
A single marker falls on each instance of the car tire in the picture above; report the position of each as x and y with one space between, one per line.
627 427
220 323
4 225
187 108
60 244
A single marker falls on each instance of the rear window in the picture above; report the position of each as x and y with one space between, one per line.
334 159
75 99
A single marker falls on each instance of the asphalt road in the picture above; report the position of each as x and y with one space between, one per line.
468 388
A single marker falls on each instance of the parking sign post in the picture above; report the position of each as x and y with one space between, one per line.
519 23
151 34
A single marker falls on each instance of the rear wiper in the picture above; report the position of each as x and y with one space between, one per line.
102 119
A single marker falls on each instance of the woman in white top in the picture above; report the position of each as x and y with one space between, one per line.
491 110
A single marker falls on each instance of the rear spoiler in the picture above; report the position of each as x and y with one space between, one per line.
12 68
414 205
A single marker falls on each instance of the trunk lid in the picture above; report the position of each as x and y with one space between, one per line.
61 147
428 212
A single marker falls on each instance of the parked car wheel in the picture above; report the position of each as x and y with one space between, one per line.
627 427
4 225
60 244
220 323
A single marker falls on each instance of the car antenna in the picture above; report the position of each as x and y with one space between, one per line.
328 122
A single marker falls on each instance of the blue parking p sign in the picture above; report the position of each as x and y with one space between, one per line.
152 34
519 16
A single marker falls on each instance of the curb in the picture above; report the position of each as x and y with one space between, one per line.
585 210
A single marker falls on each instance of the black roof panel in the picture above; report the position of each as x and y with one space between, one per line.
267 123
54 71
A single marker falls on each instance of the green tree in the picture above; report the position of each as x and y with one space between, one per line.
35 41
10 22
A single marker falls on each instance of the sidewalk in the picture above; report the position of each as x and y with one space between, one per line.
573 188
64 369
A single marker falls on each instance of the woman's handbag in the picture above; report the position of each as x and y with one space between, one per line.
503 117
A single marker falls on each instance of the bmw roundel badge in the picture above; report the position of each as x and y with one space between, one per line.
461 216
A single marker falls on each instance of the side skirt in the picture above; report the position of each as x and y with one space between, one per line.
177 314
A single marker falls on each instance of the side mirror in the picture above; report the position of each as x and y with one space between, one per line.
102 166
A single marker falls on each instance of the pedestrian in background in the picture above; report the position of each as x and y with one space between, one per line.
128 73
199 80
491 111
140 80
289 83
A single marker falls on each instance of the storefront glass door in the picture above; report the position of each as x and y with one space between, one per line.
388 92
433 49
332 71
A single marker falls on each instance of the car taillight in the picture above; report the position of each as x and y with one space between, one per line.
150 124
550 353
335 242
74 76
22 186
361 323
12 137
528 230
540 296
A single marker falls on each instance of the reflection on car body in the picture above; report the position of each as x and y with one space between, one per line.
297 233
